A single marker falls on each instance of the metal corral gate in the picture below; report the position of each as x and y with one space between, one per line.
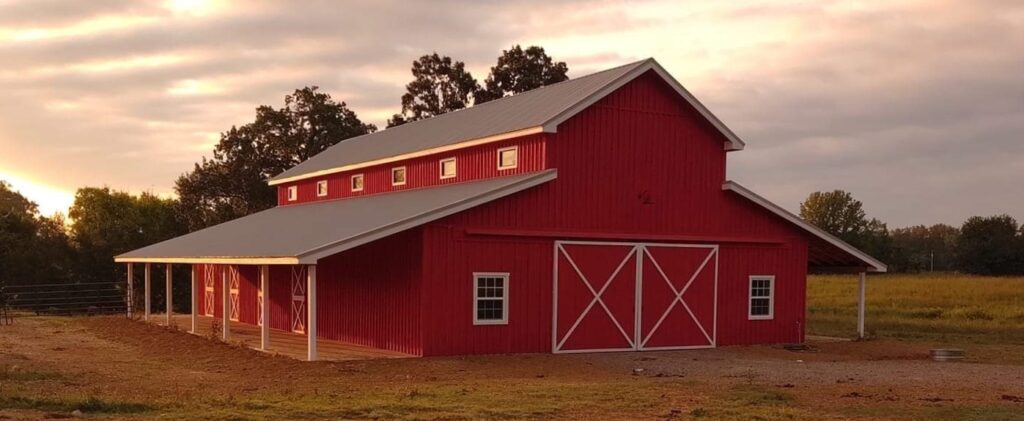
611 296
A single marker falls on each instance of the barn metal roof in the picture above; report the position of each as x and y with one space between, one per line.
825 250
536 111
301 234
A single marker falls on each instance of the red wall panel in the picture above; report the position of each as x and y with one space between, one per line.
472 163
448 294
370 295
639 162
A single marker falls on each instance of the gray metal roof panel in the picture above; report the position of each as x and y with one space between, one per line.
504 115
306 229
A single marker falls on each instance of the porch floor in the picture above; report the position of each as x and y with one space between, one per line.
282 342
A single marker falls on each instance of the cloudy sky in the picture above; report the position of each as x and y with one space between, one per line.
916 107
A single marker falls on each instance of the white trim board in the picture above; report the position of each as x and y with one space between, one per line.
733 142
874 265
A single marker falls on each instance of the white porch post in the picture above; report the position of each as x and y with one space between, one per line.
131 292
861 305
195 300
311 313
146 288
167 281
265 307
225 303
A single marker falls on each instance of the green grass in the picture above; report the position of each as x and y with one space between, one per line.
938 307
15 374
87 405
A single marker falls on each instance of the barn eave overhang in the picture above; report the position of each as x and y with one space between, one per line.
867 263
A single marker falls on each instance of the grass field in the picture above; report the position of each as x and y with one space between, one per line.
931 307
110 367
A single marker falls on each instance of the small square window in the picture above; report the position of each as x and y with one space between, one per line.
508 158
321 188
398 176
490 301
448 168
357 182
762 298
293 193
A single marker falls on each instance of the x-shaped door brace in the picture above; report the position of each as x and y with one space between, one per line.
597 296
233 282
208 281
679 296
298 296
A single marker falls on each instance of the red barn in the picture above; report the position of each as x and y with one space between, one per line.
589 215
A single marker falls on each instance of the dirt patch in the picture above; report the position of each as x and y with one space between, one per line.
126 363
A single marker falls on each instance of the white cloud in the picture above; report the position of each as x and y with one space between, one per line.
912 105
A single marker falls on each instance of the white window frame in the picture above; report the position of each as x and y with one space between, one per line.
455 168
504 298
321 188
293 193
510 148
771 298
352 182
404 179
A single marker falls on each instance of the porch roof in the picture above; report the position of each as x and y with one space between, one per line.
302 234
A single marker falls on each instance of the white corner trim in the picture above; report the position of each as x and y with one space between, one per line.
874 264
733 142
311 256
212 260
417 154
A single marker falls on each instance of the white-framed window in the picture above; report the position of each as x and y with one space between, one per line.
398 176
447 168
293 193
356 182
762 297
321 188
508 158
490 298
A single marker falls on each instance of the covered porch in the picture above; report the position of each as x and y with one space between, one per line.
283 342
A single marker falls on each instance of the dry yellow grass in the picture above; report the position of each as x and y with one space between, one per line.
938 306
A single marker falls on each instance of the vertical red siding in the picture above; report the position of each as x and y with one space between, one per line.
641 161
448 293
472 163
370 295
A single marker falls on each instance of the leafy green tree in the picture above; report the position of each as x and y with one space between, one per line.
33 248
439 85
520 70
990 246
109 222
839 214
233 183
836 212
924 248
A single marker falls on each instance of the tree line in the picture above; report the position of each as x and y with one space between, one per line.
983 245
